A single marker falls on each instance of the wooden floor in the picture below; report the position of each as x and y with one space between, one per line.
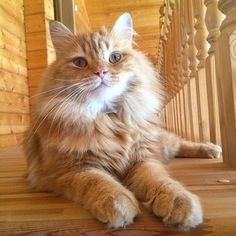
24 212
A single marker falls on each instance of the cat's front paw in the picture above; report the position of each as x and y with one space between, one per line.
181 209
212 151
118 211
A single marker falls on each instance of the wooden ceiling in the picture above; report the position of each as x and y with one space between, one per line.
145 15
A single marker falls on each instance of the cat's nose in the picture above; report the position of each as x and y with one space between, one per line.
100 72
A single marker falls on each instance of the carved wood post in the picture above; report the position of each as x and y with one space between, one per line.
192 96
180 80
226 79
185 65
213 20
201 88
200 43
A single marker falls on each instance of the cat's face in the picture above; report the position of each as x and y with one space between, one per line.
96 67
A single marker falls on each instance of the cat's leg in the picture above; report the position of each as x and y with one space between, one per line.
172 145
107 200
166 197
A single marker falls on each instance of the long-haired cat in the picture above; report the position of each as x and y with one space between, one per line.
97 139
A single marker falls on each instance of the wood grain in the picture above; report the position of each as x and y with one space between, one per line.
145 18
24 211
13 74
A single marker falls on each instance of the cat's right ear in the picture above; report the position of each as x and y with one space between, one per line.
60 34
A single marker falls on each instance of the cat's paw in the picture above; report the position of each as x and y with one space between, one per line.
117 212
212 151
181 209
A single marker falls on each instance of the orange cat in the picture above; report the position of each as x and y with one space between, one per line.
97 139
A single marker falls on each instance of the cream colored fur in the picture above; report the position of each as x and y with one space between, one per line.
98 141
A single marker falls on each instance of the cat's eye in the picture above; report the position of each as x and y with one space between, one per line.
80 62
115 57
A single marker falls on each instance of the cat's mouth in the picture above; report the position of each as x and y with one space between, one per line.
102 84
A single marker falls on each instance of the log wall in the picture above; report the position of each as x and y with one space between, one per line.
14 95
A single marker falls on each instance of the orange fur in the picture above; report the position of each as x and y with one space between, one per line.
90 141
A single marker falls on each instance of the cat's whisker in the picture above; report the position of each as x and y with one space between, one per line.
48 91
74 80
43 110
67 98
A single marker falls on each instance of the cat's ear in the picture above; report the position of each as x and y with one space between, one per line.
123 28
60 34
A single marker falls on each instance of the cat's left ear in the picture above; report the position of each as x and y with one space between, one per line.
60 35
123 28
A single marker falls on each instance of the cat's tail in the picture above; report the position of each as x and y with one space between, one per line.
172 146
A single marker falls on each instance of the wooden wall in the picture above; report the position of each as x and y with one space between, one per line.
14 100
145 15
81 16
40 51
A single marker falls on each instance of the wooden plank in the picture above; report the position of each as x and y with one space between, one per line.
10 140
35 76
34 23
33 7
81 15
11 82
13 123
49 9
9 65
37 59
12 54
24 211
14 9
10 41
11 24
36 41
12 102
140 17
122 3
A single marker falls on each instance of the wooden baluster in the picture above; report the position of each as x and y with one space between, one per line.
226 78
176 62
177 115
179 67
164 60
183 117
168 66
201 88
170 48
160 63
165 40
160 48
186 71
213 21
192 97
173 62
201 46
